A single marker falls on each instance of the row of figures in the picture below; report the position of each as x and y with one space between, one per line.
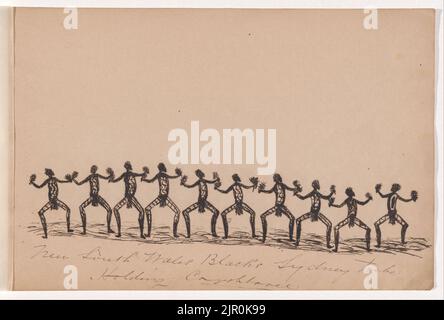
202 204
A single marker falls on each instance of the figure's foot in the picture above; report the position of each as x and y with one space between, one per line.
142 236
335 250
45 237
225 237
175 235
253 235
110 230
83 232
187 236
263 239
329 246
214 234
291 239
378 246
118 235
70 230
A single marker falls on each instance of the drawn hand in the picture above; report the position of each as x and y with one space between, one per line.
183 180
414 195
378 187
261 186
68 177
32 178
110 174
298 187
217 184
145 171
369 196
254 181
74 175
178 172
331 201
333 189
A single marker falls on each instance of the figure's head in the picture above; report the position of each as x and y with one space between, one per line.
236 177
93 168
277 177
161 167
315 184
128 166
49 172
349 192
199 173
396 187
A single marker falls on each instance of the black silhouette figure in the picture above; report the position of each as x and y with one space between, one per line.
351 220
239 205
279 208
129 178
315 210
94 198
163 199
54 202
202 202
392 214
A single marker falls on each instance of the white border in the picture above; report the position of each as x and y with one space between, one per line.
436 293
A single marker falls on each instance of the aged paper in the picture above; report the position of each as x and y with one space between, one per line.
340 96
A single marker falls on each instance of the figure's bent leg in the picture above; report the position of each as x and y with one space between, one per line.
225 220
404 226
141 218
109 213
82 208
176 218
336 232
298 226
41 213
186 216
63 205
290 217
215 212
247 208
148 209
328 225
378 229
362 225
264 222
119 205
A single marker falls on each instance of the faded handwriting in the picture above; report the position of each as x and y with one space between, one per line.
243 280
131 275
43 252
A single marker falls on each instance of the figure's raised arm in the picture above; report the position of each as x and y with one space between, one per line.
183 182
413 197
261 188
308 195
332 192
254 183
178 174
32 181
218 185
363 203
68 178
114 179
145 179
216 178
79 183
143 174
378 191
331 203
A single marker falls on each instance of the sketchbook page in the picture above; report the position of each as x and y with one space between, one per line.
6 45
334 111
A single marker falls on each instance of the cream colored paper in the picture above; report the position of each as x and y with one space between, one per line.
352 107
